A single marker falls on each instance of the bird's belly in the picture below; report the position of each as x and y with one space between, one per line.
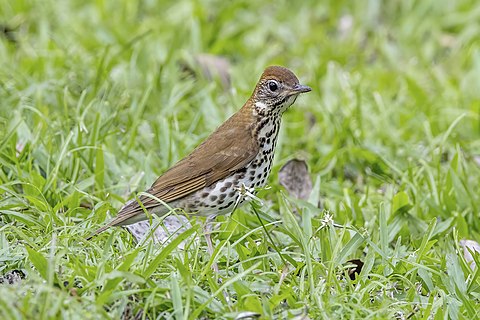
222 196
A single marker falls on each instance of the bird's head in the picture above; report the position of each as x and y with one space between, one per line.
276 90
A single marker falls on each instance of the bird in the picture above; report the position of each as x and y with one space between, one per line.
226 169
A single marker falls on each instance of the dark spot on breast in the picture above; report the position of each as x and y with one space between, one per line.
213 198
205 194
231 194
227 205
223 189
222 196
228 184
243 170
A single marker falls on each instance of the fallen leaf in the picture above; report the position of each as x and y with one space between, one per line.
294 177
211 67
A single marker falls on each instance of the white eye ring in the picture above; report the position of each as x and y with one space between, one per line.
273 85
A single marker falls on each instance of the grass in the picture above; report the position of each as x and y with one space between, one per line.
95 104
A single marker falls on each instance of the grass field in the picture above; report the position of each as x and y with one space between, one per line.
95 103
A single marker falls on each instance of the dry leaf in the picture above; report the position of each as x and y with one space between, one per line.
210 66
215 66
294 177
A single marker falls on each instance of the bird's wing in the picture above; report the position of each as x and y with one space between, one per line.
228 149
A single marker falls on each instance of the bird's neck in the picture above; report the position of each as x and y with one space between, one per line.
262 109
265 120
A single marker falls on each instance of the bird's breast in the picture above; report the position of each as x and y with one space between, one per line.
222 196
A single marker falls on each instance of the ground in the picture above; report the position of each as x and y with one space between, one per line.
97 98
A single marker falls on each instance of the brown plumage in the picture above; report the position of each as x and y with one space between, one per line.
225 157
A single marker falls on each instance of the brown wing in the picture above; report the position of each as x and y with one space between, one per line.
230 148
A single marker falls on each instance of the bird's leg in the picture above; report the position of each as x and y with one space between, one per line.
207 230
244 192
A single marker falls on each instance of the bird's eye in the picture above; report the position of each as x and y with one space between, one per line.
272 85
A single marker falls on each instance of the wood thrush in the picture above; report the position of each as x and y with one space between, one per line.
220 173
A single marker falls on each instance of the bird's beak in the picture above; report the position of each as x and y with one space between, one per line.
300 88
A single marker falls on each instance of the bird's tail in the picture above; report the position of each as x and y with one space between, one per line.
130 213
99 230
